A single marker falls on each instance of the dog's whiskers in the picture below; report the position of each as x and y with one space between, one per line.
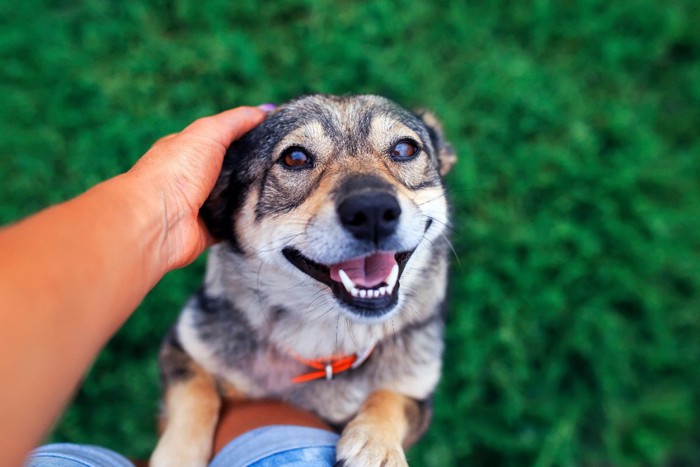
279 243
446 238
423 203
446 225
350 333
337 325
312 308
452 248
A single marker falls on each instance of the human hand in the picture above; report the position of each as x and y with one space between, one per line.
177 174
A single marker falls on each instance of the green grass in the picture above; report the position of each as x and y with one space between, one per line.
574 334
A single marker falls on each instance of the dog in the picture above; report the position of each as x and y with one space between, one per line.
328 287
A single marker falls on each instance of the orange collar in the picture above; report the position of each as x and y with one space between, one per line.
329 367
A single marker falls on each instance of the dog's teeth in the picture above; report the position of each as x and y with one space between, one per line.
370 293
392 278
347 282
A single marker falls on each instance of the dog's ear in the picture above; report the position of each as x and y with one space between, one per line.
445 152
226 198
228 194
218 208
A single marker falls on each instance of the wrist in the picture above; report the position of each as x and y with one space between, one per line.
137 211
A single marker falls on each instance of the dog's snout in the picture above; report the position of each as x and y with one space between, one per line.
370 216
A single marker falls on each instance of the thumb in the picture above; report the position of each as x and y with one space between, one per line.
225 127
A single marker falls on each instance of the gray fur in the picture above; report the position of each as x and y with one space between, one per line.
256 309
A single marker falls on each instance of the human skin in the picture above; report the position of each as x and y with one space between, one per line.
72 274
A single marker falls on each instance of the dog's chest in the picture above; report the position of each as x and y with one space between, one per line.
335 399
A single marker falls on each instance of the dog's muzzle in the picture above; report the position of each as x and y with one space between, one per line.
367 284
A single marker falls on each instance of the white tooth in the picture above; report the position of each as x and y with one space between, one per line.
392 278
363 293
381 291
372 293
347 282
354 292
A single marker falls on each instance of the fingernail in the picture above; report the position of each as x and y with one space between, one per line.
267 107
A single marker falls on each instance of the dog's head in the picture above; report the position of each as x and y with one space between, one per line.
345 190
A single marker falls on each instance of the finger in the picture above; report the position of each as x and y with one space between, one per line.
227 126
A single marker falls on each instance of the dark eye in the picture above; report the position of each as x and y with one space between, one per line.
404 150
296 158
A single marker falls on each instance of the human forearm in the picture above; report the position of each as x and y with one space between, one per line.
93 259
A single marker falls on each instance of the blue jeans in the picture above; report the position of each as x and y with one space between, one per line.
263 447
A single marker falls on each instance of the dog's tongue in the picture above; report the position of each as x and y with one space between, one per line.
368 271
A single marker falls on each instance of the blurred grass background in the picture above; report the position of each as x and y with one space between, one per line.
574 335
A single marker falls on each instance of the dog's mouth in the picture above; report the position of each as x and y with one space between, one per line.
368 284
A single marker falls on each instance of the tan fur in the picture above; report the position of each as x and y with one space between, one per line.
447 155
192 412
378 432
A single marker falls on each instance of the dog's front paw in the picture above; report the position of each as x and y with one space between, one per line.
361 445
178 456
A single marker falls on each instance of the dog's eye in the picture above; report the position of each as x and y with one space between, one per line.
404 150
296 158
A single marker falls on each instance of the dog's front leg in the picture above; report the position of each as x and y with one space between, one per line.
191 412
387 424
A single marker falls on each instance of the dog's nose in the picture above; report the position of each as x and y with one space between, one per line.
370 216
